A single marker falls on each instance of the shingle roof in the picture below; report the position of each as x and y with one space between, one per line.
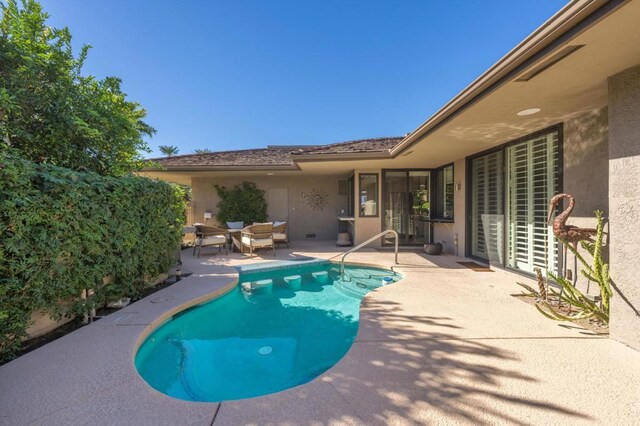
361 145
273 156
247 157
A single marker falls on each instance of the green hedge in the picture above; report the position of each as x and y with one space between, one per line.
63 231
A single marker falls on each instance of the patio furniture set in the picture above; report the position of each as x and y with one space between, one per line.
243 239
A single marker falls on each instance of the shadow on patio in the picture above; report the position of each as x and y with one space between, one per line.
412 377
409 377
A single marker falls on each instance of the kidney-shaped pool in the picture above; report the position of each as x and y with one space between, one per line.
277 329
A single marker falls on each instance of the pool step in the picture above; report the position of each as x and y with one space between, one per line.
348 290
260 286
294 282
320 277
372 280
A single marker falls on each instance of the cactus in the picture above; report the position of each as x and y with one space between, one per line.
598 272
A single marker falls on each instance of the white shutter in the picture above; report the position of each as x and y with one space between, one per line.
533 179
487 217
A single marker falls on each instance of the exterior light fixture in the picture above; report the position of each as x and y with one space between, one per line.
270 174
529 111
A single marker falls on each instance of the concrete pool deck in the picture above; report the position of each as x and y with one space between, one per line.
444 345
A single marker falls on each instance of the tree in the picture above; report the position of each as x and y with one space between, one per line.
244 202
168 150
52 113
203 151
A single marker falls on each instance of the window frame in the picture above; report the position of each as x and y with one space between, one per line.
436 193
377 194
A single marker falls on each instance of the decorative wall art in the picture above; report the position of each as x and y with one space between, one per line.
317 198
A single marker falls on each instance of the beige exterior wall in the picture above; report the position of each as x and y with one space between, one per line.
42 323
303 219
586 177
367 227
453 234
586 168
624 204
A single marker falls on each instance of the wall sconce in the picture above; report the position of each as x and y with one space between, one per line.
458 186
208 215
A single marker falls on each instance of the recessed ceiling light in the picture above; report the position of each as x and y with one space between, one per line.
529 111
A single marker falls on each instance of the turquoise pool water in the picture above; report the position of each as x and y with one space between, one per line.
272 332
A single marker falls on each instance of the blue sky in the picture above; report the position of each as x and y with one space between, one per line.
239 74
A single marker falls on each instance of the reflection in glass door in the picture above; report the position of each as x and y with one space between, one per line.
406 206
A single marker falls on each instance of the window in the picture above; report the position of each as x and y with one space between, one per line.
487 207
510 189
532 167
350 198
443 193
368 195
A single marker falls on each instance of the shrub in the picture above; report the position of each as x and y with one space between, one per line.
62 232
244 202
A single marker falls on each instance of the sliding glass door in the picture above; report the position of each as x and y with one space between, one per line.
487 207
533 179
510 191
406 205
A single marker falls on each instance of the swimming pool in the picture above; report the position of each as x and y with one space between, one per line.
277 329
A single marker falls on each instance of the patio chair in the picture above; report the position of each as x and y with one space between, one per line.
258 235
210 236
280 233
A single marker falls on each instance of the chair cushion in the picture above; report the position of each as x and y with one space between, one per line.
257 242
212 240
277 236
235 225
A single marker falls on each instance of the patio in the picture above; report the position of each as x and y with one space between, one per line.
444 345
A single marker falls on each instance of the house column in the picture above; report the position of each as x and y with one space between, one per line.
624 204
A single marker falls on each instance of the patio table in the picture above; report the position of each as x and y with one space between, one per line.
234 240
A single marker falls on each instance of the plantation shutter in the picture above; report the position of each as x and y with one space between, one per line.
487 217
533 175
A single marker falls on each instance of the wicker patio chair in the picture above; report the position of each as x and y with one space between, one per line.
258 235
210 236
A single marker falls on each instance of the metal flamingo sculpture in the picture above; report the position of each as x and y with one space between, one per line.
569 233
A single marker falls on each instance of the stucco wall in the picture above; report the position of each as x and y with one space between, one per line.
586 177
367 227
303 219
449 233
586 168
624 204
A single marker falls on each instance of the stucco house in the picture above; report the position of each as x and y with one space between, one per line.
559 113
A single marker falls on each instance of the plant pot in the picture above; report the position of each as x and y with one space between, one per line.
433 248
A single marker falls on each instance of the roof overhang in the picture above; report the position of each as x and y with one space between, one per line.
377 155
572 19
224 168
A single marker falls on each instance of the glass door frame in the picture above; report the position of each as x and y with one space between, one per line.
383 204
469 196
